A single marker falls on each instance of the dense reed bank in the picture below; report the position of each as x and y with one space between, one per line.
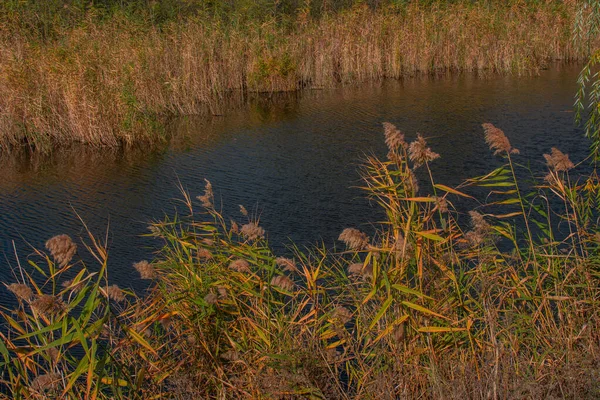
500 302
109 78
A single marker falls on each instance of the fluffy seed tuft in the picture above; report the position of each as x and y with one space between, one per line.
354 239
46 382
558 161
48 305
62 249
283 282
240 265
208 196
497 140
20 290
394 139
360 270
115 293
252 231
342 314
287 264
145 269
419 153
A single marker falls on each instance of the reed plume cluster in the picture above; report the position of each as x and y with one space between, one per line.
437 303
98 82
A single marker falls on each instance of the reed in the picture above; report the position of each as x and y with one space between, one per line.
110 79
437 304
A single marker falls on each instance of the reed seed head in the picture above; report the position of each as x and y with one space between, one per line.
145 269
208 196
204 254
478 222
243 210
53 354
74 287
354 239
419 153
62 249
252 231
240 265
360 270
46 382
230 355
48 305
497 140
394 139
211 298
234 227
222 291
287 264
481 229
441 204
283 282
342 314
558 161
20 290
115 293
413 181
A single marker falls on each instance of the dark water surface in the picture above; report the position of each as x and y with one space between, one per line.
292 159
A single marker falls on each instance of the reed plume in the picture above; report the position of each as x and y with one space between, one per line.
46 382
48 305
481 229
115 293
497 140
558 161
394 139
208 197
283 282
62 249
20 290
441 204
354 239
145 269
419 153
360 270
252 231
287 264
240 265
342 314
73 287
204 254
211 298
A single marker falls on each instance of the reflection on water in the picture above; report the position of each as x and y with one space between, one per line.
291 158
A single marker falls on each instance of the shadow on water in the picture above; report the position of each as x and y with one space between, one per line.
291 158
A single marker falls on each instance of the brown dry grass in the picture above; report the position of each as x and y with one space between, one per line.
113 83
